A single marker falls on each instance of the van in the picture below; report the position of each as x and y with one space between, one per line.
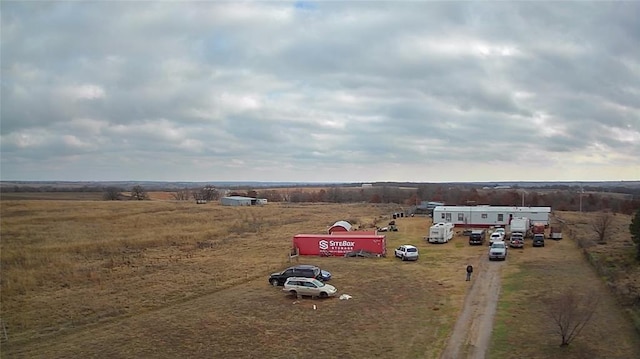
477 236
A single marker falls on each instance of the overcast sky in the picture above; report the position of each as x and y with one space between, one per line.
320 91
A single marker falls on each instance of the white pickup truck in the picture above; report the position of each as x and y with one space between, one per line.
498 250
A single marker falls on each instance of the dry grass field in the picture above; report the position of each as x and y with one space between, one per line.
522 328
167 279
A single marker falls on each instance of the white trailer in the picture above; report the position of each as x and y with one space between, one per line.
440 232
488 216
520 225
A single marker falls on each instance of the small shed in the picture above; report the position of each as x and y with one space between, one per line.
340 226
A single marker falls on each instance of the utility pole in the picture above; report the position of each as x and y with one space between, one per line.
581 192
522 198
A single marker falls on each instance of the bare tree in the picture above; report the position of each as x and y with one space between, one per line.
207 193
182 195
601 224
111 194
570 312
138 193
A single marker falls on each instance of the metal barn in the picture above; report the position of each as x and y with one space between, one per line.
237 201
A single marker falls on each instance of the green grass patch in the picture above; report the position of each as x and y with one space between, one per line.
515 282
512 284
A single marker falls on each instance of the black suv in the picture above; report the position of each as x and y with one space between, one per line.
477 236
538 240
302 270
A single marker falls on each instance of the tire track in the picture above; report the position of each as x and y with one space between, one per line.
472 332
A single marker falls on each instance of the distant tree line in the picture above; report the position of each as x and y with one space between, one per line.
138 193
559 199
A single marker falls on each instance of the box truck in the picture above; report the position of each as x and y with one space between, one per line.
440 232
339 244
538 228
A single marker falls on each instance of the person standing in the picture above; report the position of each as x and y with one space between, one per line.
469 271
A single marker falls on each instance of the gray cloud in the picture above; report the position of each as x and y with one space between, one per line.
326 91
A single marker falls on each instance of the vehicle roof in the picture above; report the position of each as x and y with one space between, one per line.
477 231
305 266
301 279
408 246
497 242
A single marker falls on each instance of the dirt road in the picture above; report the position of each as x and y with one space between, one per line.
472 332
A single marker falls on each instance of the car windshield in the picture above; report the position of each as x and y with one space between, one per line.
497 245
412 249
318 283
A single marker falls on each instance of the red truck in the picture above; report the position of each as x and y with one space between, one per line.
339 244
538 228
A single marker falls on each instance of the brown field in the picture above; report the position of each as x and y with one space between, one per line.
167 279
522 328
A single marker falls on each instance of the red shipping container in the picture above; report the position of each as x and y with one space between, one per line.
339 244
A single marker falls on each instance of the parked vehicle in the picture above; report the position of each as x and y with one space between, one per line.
516 240
389 228
538 240
498 250
501 230
520 225
407 252
302 270
496 237
538 228
440 232
299 286
555 233
477 236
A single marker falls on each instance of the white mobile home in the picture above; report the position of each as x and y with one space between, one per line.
440 232
489 216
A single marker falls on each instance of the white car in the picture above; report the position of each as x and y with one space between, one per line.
501 230
407 252
299 286
496 237
498 250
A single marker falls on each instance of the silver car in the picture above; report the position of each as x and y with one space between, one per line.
300 286
498 250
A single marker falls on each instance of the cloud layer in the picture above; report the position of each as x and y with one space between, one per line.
320 91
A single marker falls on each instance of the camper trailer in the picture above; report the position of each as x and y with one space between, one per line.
521 225
440 232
